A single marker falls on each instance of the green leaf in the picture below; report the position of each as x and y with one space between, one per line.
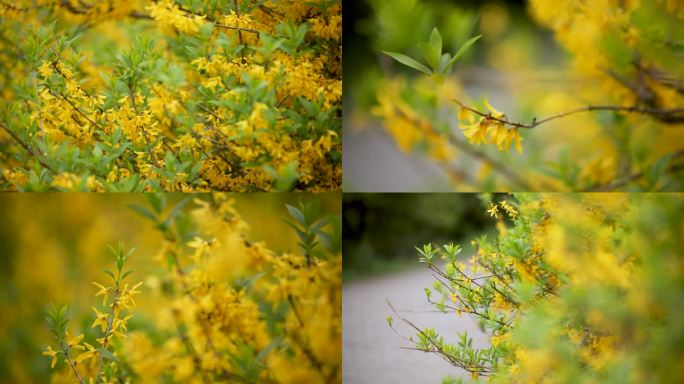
108 355
110 273
157 201
175 211
657 170
443 62
113 250
296 214
400 57
462 50
430 55
130 252
126 274
436 42
143 211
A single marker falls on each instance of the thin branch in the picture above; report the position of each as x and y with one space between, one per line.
26 147
110 322
507 172
65 349
467 366
75 108
503 169
237 28
637 175
66 79
673 115
237 12
213 20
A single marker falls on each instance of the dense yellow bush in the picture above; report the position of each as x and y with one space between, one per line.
170 95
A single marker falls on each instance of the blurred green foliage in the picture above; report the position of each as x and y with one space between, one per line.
372 26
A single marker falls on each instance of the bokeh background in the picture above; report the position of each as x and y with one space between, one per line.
381 264
52 246
380 230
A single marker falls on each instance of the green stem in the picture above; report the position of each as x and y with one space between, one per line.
110 322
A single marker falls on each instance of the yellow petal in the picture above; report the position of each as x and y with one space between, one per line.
518 141
465 115
493 111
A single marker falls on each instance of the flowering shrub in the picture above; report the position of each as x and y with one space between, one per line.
575 288
614 124
113 325
170 95
234 311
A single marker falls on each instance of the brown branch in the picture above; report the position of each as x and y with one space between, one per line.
65 350
454 360
237 12
673 115
507 172
75 108
26 147
213 20
66 79
470 308
636 176
237 28
503 169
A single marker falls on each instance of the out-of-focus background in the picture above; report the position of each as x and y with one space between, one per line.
381 264
512 64
52 246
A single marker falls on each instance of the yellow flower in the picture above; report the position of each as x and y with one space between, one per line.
512 212
476 133
45 69
496 114
493 210
104 291
465 115
101 319
84 355
52 353
200 246
73 342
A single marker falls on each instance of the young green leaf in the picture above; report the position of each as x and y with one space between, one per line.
462 50
436 42
296 214
143 211
406 60
430 55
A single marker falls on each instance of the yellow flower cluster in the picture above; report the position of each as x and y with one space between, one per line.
489 130
329 29
87 366
167 13
224 304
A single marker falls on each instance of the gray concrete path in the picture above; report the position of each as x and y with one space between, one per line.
372 351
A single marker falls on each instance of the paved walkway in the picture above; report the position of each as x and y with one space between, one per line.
372 351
